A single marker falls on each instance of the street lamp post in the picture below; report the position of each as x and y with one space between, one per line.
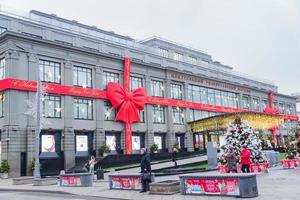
37 174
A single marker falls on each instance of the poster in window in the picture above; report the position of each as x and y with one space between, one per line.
81 143
48 143
111 142
178 142
158 141
136 143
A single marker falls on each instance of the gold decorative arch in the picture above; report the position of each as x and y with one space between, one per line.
220 122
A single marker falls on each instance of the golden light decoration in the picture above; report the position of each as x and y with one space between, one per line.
255 120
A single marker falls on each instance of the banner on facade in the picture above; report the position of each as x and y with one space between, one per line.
48 143
212 186
81 143
126 183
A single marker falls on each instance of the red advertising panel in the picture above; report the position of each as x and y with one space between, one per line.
126 183
212 186
70 181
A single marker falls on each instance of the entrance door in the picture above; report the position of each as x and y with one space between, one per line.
180 141
199 142
23 163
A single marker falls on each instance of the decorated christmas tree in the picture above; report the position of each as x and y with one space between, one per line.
238 134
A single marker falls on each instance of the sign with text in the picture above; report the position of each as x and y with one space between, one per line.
48 143
126 183
70 181
212 186
81 143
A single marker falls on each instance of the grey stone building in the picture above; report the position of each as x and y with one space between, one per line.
67 53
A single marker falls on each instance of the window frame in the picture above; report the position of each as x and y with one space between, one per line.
87 71
160 85
105 74
55 66
176 87
161 111
87 102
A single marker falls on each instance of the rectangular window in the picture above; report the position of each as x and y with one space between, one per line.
2 68
225 99
2 104
50 71
158 114
176 91
178 56
157 88
194 93
142 116
255 103
288 109
178 115
218 97
164 52
135 82
109 77
82 77
195 114
203 93
264 104
281 107
52 106
246 102
275 104
83 109
192 60
109 112
211 96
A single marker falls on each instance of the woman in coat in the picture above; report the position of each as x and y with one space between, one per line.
145 170
231 160
245 159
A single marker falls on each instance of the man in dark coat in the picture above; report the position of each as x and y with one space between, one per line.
145 170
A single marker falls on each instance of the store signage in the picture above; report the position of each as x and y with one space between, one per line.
48 143
209 83
216 186
81 143
126 183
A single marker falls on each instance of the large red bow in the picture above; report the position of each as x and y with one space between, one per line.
128 103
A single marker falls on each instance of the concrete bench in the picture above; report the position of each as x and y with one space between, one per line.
23 180
165 187
76 180
237 185
126 181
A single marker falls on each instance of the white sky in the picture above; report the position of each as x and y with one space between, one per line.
258 37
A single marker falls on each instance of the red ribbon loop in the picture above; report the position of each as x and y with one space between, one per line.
128 103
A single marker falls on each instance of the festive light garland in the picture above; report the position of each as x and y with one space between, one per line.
255 120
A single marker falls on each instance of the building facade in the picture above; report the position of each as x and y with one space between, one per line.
76 61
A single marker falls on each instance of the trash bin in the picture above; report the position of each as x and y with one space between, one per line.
100 174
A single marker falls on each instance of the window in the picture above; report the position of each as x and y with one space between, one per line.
192 60
158 114
52 106
142 116
2 68
246 102
203 93
2 104
135 82
50 71
275 104
82 76
176 91
83 109
218 97
164 52
178 115
211 96
264 104
281 107
195 114
109 112
157 88
255 103
178 56
194 93
109 77
289 109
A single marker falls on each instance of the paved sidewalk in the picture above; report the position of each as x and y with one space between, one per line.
278 184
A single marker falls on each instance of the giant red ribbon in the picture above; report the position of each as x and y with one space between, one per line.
128 103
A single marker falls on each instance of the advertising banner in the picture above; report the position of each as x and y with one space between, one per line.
48 143
212 186
70 181
126 183
81 143
136 143
158 141
111 142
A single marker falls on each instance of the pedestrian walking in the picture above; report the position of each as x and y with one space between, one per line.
174 154
145 170
245 159
231 160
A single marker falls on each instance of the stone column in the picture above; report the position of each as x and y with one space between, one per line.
149 137
68 147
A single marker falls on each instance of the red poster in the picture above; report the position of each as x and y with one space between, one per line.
126 183
71 181
212 186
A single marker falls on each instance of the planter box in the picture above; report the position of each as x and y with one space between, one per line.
254 168
4 175
23 180
165 187
291 164
126 181
45 181
237 185
76 180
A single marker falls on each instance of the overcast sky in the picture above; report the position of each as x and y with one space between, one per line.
257 37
